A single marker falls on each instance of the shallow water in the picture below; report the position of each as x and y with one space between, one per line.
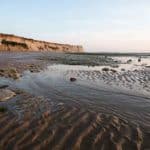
102 109
124 93
133 62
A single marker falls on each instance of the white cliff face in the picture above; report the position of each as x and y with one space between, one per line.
16 43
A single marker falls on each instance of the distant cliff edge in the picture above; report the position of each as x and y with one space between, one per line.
16 43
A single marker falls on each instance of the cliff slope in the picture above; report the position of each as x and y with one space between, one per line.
15 43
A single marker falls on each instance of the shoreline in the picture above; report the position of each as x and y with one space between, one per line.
64 115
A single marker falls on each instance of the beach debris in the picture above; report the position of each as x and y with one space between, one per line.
73 79
6 94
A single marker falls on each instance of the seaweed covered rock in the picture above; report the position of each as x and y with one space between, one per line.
9 73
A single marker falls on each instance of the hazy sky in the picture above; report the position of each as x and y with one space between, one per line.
98 25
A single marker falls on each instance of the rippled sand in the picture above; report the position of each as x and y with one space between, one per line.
70 128
103 109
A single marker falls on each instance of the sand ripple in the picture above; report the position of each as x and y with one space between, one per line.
137 80
70 128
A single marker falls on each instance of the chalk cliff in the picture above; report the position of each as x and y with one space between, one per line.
16 43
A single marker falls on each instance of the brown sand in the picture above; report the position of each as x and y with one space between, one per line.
69 128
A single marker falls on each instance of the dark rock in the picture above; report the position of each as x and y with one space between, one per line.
3 86
3 109
73 79
112 70
139 59
129 61
147 66
105 69
122 69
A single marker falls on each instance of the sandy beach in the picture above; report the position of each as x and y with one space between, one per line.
105 107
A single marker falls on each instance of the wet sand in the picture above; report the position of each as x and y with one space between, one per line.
102 109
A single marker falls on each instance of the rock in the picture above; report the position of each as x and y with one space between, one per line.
9 73
112 70
60 104
73 79
139 59
13 73
147 66
129 61
114 66
3 86
105 69
3 109
122 69
6 94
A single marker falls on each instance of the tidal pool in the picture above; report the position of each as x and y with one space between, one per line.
123 93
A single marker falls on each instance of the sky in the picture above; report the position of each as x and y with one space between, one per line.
98 25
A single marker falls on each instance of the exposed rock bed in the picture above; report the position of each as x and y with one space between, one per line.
6 94
9 73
